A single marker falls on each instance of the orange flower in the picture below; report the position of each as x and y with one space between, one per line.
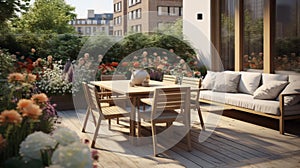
10 116
39 98
23 103
114 64
124 64
30 78
15 77
136 64
32 111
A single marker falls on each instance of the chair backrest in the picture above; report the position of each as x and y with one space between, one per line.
195 84
169 99
191 82
93 97
169 78
112 77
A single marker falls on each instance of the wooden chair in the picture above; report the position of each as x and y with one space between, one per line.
109 94
169 79
94 100
195 84
165 102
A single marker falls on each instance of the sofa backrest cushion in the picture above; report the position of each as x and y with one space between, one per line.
209 80
227 82
266 78
269 90
294 78
293 87
249 82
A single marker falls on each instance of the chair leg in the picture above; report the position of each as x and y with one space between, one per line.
109 124
88 111
281 126
96 132
154 140
201 118
188 138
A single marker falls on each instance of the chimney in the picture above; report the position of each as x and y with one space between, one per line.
91 13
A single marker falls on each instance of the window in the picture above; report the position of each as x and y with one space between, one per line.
174 11
118 20
227 34
89 22
83 22
162 10
133 2
253 34
135 14
88 30
136 28
118 7
287 38
79 30
169 11
94 21
103 21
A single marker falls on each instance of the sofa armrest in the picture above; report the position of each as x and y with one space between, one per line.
281 100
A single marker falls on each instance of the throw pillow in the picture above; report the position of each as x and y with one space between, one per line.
249 82
269 91
209 80
227 82
293 87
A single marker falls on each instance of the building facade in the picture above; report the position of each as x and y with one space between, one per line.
94 24
144 15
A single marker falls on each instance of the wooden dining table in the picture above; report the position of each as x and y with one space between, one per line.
122 87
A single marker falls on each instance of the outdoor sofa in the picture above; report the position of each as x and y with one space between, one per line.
271 95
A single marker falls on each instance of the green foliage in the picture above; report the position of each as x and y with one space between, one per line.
173 29
286 46
47 16
6 64
9 8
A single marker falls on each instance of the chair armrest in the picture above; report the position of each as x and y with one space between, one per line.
281 100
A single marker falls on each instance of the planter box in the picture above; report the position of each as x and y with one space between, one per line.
63 102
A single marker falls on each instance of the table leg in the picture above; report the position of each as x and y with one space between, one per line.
132 117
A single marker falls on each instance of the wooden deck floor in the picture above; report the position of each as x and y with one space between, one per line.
233 143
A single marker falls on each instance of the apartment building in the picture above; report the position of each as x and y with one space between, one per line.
94 24
144 15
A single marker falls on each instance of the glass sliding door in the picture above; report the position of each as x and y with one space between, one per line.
287 42
253 34
227 34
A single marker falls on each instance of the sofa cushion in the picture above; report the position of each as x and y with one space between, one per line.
209 80
249 82
240 100
293 87
227 82
270 90
292 110
267 106
294 78
235 99
273 77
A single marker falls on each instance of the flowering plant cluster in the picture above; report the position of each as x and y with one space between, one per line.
52 82
62 148
23 111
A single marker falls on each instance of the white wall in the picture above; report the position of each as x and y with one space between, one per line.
197 32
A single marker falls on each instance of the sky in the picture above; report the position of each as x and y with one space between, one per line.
82 6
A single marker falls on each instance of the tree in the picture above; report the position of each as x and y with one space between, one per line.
47 16
9 8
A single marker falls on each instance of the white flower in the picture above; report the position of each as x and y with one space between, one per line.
65 136
31 147
76 155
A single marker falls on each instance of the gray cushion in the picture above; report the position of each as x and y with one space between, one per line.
249 82
240 100
212 96
273 77
267 106
293 87
209 80
227 82
269 90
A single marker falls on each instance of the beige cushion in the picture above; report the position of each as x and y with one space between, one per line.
227 82
270 90
209 80
249 82
293 87
294 78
